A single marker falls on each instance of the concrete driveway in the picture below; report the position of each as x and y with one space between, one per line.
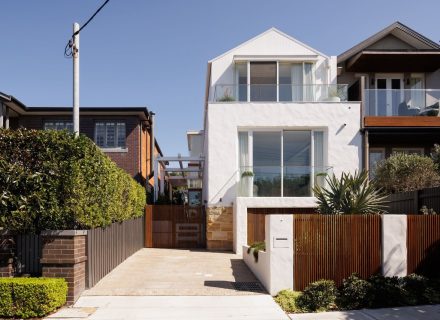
176 284
173 272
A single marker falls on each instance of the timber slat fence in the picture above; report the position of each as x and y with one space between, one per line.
423 245
108 247
333 247
28 251
412 201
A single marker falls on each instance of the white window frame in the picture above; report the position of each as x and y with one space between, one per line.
115 148
281 132
55 121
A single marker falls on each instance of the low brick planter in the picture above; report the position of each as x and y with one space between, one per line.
7 249
64 256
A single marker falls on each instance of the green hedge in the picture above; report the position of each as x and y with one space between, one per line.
51 180
31 297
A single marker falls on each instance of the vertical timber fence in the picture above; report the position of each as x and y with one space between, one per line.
423 245
412 201
335 246
108 247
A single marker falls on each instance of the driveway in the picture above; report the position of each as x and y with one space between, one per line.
173 272
176 284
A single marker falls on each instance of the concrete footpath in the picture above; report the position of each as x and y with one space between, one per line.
400 313
258 307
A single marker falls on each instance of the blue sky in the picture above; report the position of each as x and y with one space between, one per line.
154 52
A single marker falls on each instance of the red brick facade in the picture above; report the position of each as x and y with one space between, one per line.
128 159
64 256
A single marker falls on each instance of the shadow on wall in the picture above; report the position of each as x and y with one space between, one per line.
230 190
429 266
400 269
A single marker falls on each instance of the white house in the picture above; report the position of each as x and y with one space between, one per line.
275 122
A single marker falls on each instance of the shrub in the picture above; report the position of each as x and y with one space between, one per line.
287 300
386 292
31 297
407 172
435 155
432 292
318 296
255 247
355 293
52 180
351 194
414 289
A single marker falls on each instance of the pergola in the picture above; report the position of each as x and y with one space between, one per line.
188 169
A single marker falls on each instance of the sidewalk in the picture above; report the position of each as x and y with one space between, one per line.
255 307
400 313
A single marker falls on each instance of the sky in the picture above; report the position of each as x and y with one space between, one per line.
154 53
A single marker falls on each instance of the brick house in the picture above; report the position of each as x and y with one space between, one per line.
125 134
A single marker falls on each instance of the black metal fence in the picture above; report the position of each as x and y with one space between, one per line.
28 254
411 202
108 247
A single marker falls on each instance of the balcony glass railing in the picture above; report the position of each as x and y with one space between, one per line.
279 93
401 102
275 181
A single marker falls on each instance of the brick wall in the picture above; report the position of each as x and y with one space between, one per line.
64 256
129 160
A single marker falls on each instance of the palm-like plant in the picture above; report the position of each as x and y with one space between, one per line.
350 194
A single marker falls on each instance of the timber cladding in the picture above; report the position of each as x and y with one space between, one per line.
335 246
423 245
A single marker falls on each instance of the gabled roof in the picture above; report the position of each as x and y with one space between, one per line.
397 29
273 29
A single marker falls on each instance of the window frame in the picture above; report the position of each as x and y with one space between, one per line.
54 121
105 147
250 132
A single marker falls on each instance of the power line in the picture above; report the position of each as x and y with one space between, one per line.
68 49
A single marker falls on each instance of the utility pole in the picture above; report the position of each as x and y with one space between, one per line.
75 55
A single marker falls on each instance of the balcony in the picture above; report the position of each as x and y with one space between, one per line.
401 102
228 93
276 181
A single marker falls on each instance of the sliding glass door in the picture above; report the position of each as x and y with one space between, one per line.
263 81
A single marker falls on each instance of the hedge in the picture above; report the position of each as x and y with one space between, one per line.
31 297
50 180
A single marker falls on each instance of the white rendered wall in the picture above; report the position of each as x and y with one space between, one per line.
275 266
272 44
394 250
339 121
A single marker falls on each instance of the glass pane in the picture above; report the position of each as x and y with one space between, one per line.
285 81
69 126
296 158
121 134
308 82
374 157
241 69
100 134
263 81
297 82
267 164
49 126
319 171
417 94
110 135
381 97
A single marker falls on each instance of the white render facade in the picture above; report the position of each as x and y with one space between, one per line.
275 123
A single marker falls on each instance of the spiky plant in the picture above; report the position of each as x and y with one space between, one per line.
349 194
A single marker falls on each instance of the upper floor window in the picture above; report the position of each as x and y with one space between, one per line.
58 125
110 134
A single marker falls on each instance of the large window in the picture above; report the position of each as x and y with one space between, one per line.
110 134
275 81
58 125
283 163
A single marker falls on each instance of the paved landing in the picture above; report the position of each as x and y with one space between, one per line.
173 272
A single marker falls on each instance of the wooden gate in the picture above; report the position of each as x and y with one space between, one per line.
175 226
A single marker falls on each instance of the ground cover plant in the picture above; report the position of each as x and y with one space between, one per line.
356 293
